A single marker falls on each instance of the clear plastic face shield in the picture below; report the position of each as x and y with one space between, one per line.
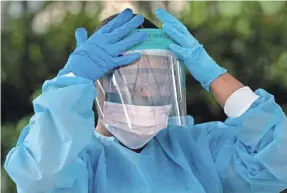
136 101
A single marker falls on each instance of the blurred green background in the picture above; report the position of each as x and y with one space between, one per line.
247 38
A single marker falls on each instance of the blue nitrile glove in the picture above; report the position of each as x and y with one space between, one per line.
97 55
202 67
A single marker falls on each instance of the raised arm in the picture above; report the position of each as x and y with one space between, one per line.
50 155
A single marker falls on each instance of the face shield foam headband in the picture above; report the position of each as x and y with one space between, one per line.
136 101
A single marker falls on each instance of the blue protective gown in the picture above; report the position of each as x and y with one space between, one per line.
57 151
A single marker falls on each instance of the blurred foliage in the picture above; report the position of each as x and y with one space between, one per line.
247 38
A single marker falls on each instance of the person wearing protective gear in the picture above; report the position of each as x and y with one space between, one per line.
60 151
137 101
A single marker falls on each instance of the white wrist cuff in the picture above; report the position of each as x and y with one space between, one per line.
239 102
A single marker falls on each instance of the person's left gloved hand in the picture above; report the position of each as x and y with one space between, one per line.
202 67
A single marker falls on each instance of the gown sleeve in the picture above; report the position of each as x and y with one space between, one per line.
254 159
50 155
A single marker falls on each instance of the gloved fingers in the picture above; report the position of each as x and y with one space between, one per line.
81 35
167 18
179 51
118 21
126 28
187 41
129 42
127 59
175 34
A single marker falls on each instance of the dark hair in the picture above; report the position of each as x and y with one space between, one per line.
146 24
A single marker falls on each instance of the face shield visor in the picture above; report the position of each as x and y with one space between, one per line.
140 99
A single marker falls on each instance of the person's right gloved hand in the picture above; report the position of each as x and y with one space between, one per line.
100 53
